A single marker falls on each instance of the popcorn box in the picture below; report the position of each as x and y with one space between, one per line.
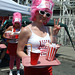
51 51
11 35
14 36
7 34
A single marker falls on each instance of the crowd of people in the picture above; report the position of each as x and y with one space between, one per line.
34 33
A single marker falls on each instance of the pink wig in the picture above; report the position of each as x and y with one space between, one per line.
17 17
41 5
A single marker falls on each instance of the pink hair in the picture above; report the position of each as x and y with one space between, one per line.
34 9
17 15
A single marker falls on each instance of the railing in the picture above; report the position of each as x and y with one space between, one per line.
62 35
70 4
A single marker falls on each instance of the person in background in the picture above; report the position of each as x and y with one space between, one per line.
12 43
38 34
2 41
2 54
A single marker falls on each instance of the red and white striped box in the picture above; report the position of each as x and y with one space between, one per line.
51 51
7 34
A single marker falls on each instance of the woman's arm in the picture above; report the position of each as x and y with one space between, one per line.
23 38
55 31
53 36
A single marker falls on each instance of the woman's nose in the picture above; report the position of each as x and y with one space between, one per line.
44 15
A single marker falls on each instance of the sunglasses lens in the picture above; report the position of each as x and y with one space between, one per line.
48 14
42 12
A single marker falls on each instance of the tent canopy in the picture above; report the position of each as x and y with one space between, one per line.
26 21
8 7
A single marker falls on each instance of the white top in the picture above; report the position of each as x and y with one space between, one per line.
37 41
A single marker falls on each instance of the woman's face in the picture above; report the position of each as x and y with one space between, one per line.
42 16
17 25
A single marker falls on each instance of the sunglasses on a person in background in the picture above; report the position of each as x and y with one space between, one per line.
43 12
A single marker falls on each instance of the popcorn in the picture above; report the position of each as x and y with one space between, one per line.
51 51
47 44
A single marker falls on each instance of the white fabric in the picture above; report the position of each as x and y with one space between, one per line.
17 20
11 6
37 41
18 72
11 72
45 4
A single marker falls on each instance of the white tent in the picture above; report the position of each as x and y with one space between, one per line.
7 7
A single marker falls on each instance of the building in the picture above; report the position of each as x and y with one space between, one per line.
65 11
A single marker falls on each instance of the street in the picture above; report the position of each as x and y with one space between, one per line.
66 68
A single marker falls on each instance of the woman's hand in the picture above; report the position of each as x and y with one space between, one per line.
56 28
50 45
12 36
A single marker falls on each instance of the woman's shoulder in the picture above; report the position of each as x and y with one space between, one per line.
10 27
26 29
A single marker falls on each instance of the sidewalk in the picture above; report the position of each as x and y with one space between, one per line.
66 52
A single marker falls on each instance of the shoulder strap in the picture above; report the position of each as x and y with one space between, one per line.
30 29
12 29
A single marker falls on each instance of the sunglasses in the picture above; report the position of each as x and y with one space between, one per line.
43 12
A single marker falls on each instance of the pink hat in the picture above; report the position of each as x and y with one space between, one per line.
41 5
17 17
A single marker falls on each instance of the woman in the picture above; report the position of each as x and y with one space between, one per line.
13 40
37 34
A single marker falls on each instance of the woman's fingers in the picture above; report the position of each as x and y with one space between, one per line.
58 22
58 27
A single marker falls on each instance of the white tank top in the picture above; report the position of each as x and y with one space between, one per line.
37 41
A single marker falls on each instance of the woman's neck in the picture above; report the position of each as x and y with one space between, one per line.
39 25
16 27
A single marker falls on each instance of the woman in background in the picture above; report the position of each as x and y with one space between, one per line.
12 42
